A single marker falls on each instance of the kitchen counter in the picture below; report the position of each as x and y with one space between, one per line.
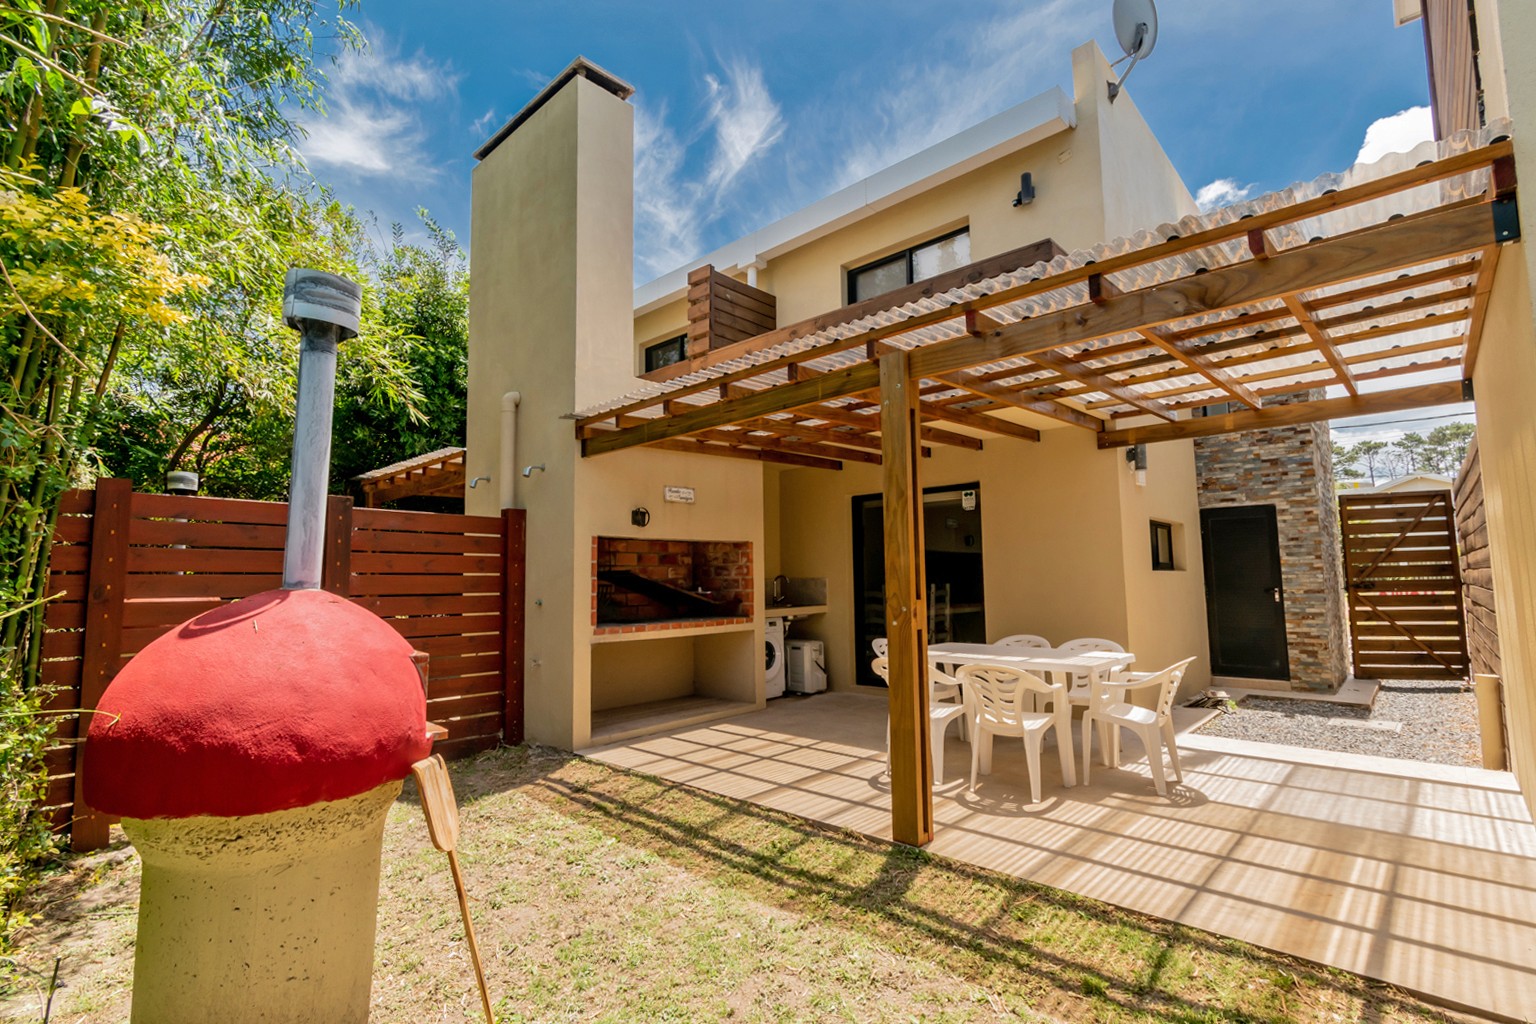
796 611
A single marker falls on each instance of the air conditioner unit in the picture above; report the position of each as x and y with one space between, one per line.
807 666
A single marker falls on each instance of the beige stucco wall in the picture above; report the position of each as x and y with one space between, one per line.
1064 545
1165 611
551 316
1505 380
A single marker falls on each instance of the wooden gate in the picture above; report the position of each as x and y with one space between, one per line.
1403 577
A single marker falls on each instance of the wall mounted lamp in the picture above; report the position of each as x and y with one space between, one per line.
1136 459
1026 190
640 517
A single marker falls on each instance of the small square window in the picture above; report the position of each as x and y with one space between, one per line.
1162 546
665 353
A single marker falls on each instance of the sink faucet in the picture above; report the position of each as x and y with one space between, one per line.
779 583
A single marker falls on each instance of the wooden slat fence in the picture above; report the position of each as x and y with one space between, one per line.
1403 583
133 566
1476 568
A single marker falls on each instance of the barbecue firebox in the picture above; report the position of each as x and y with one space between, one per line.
657 583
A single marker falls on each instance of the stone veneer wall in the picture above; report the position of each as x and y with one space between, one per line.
1292 469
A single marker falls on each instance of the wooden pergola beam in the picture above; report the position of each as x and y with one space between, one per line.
793 428
1203 366
1002 395
1094 380
845 414
1377 250
1412 177
1374 251
1320 338
745 438
1484 287
1421 396
979 421
692 447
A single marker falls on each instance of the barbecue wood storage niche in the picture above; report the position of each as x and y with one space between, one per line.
674 633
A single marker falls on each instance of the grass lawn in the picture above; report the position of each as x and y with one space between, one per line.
601 895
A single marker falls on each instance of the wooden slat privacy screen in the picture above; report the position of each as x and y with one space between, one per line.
1403 578
1476 568
133 566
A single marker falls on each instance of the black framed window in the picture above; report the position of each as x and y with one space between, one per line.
899 269
665 353
1215 409
1162 546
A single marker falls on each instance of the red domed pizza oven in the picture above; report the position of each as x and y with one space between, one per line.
253 754
281 700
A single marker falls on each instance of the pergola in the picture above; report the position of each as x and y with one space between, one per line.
439 473
1340 285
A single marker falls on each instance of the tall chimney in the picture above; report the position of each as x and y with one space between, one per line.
325 309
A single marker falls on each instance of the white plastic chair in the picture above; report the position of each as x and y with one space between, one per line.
1022 640
996 696
940 714
1077 691
1154 725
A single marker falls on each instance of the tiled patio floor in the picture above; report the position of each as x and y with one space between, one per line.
1423 876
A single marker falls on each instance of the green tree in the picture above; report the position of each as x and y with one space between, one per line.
1344 463
424 295
1446 447
143 229
1370 453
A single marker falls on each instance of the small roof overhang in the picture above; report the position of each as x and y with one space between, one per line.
1340 287
439 473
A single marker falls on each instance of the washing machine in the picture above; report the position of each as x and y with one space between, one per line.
774 659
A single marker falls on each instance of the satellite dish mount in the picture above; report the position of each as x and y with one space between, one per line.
1136 31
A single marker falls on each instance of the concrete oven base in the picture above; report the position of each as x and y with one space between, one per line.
265 917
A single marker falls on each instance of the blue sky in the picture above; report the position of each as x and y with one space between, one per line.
745 112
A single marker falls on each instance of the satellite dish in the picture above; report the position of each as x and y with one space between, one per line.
1136 30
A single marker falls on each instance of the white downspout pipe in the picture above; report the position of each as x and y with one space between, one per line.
509 403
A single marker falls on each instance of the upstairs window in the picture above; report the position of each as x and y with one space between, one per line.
665 353
899 269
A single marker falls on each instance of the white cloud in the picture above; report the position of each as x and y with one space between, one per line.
1221 192
746 121
372 125
1396 134
673 205
976 71
483 123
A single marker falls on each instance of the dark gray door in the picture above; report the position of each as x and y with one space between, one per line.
1244 601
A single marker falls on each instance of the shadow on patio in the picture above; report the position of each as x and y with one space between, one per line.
1418 875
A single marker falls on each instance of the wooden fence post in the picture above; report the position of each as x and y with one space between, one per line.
514 547
336 572
106 583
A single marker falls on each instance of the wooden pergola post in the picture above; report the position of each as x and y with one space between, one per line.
906 616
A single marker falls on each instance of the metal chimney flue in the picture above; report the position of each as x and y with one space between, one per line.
325 309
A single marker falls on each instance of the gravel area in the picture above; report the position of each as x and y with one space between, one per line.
1416 720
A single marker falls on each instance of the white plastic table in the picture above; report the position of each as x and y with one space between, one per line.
1038 661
